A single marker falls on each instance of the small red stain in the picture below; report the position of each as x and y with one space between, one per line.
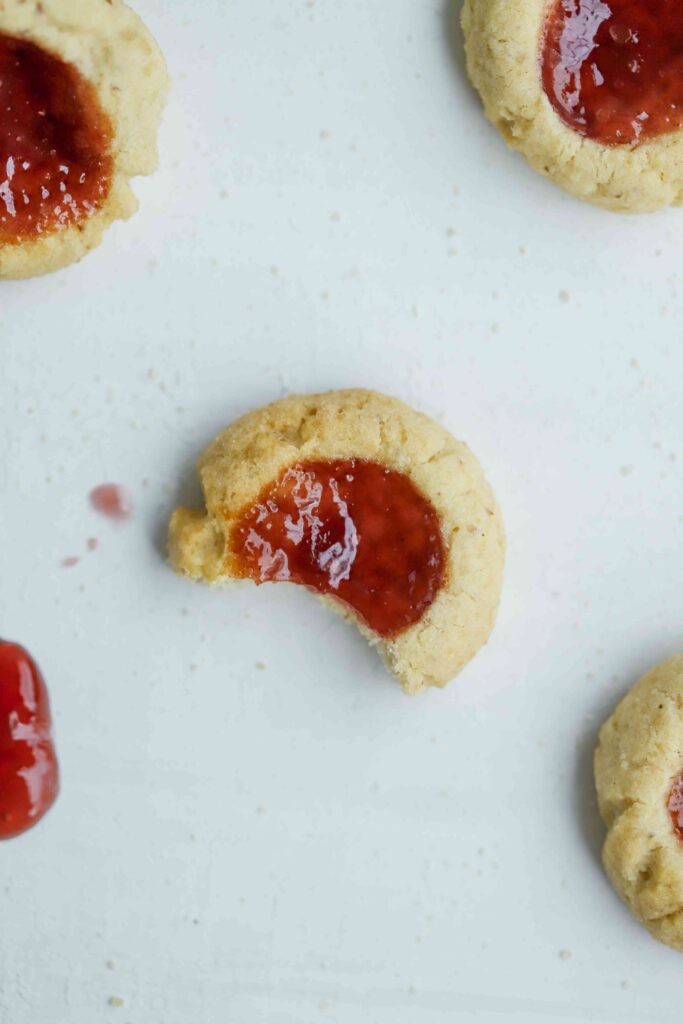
111 500
70 562
93 544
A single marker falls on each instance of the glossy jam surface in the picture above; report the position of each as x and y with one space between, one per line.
29 776
350 528
675 806
55 163
613 70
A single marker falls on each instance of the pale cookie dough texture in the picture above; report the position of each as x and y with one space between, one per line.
503 44
257 448
639 757
111 47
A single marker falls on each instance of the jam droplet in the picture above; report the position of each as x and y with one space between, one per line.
55 162
111 500
350 528
614 71
675 806
29 776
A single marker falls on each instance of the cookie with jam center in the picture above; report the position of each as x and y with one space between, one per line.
639 780
82 87
589 91
370 505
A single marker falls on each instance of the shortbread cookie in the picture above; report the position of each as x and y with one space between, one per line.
591 93
82 86
639 778
373 506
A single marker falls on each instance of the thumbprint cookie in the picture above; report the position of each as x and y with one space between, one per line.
372 506
82 87
589 91
639 779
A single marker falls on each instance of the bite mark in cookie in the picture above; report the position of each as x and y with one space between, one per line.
411 549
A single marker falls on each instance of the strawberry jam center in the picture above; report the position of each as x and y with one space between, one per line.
353 529
613 71
675 806
55 162
29 777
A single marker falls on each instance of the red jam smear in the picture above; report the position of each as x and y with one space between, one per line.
675 806
111 500
55 161
614 71
29 776
349 528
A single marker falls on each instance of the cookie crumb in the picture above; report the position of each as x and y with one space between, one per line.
116 1001
564 295
110 965
565 954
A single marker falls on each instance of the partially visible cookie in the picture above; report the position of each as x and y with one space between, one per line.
375 507
82 87
639 779
590 93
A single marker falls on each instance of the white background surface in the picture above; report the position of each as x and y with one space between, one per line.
299 842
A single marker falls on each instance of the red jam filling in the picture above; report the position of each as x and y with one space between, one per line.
675 806
55 162
614 71
29 777
349 528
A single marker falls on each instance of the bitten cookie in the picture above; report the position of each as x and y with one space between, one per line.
639 779
82 87
373 506
590 93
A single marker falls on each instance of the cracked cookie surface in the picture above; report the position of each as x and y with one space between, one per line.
253 453
638 765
